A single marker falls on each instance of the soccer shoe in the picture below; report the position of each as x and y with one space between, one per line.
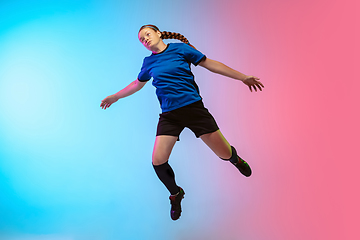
175 201
243 167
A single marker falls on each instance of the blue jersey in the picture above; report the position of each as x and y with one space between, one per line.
172 76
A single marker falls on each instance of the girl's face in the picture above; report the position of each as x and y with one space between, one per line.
149 38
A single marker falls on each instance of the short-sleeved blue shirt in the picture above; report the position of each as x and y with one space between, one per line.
172 76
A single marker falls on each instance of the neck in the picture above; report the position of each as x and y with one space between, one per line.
159 47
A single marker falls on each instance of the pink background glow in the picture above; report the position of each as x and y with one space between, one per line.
302 130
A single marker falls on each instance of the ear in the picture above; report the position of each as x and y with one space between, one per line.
159 34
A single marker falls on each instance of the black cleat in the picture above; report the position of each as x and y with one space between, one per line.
175 201
243 167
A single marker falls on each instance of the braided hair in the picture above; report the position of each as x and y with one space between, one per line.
168 35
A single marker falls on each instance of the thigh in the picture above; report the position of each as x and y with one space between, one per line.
217 143
162 148
200 121
169 124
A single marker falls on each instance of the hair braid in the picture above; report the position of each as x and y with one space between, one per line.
173 35
168 35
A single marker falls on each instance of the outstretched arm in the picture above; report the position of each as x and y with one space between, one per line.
132 88
220 68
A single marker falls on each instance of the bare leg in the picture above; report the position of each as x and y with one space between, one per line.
223 150
218 144
162 149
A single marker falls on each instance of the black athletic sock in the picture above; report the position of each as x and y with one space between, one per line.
234 157
167 177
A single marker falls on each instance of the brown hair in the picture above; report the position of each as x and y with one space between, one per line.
168 35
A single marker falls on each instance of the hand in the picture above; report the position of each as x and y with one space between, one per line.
106 102
252 81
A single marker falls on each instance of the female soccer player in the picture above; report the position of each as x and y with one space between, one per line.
181 104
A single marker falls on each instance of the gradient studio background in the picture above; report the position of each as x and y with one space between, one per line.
72 171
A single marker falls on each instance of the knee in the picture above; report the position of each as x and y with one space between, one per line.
225 153
231 154
158 159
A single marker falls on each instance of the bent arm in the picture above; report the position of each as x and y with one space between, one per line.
220 68
132 88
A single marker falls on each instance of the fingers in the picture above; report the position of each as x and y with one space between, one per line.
253 86
105 105
256 85
261 84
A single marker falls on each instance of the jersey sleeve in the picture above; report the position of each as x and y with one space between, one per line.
192 55
144 74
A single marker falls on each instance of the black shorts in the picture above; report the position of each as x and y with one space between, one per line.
193 116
